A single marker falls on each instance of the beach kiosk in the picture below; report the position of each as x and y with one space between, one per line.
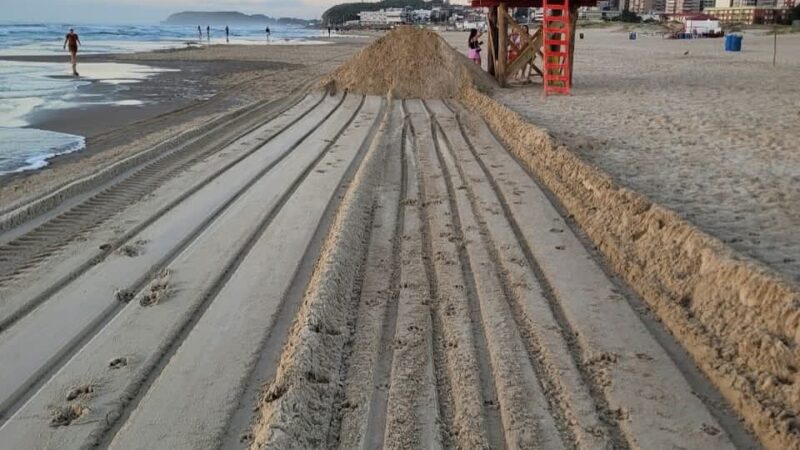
553 42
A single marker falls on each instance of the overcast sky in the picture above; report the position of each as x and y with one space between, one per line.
152 11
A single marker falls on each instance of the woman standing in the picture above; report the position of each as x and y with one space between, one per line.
72 40
475 46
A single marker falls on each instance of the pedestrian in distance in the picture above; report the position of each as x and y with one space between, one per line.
208 33
199 34
268 32
474 44
73 41
227 35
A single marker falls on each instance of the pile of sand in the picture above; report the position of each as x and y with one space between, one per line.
408 63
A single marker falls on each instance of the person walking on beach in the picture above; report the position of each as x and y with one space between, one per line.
227 35
73 41
475 46
199 33
268 33
208 33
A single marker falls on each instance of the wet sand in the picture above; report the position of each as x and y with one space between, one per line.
211 81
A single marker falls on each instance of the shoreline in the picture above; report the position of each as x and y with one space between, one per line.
210 81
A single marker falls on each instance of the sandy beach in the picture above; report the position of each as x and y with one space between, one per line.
367 244
709 134
207 83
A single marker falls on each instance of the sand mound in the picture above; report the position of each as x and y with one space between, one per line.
410 63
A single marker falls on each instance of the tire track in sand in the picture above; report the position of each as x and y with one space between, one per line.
413 404
630 376
169 323
362 413
527 416
543 338
94 294
469 410
59 231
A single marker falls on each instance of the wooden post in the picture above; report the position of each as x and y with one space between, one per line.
775 46
502 44
573 25
492 47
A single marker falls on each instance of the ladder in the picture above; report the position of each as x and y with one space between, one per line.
557 38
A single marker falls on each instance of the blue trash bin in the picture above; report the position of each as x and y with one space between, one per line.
733 43
737 43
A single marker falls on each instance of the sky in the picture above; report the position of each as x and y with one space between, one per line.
150 11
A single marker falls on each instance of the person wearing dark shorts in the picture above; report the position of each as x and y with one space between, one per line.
72 41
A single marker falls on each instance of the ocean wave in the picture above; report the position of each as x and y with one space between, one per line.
24 149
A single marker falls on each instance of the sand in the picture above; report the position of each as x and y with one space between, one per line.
708 134
341 268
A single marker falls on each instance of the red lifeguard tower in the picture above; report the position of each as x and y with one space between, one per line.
553 42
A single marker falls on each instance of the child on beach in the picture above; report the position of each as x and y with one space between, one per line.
475 46
72 40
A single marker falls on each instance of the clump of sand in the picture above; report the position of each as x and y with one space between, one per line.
407 62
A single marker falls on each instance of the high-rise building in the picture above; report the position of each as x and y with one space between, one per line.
647 6
682 6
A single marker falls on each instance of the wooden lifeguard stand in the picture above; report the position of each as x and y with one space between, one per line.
553 42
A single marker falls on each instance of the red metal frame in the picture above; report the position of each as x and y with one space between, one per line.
557 32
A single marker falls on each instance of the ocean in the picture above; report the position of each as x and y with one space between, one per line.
30 87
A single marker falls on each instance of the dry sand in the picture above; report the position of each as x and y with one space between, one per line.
339 270
708 134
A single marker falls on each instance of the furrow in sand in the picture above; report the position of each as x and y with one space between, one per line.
361 413
527 419
469 424
475 296
646 393
127 356
544 337
412 403
314 359
64 323
22 301
220 364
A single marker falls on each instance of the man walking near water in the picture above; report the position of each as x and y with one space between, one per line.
72 40
227 35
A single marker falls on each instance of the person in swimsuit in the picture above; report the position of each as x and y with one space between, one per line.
200 33
227 35
72 40
267 30
208 33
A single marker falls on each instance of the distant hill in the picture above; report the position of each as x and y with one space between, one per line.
343 12
229 18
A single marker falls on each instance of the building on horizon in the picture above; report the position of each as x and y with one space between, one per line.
682 6
749 15
647 6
